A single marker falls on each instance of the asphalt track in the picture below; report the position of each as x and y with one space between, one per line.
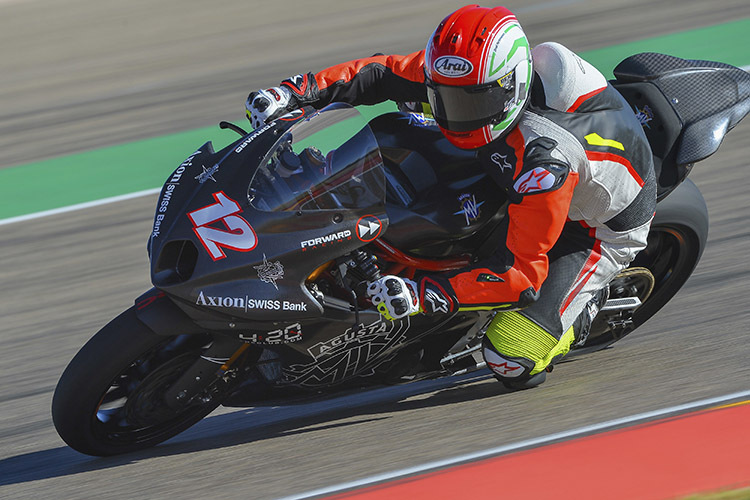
88 73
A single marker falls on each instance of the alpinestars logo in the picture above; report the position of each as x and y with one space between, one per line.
502 366
435 302
535 180
501 161
297 84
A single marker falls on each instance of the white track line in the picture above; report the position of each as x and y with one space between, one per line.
389 476
105 201
80 206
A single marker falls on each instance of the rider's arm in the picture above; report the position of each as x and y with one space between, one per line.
363 81
540 195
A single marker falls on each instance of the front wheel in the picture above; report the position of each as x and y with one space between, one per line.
109 399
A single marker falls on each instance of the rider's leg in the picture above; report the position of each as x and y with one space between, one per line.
520 346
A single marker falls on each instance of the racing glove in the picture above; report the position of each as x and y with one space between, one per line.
263 106
394 297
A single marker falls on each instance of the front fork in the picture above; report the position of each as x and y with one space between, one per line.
203 379
216 366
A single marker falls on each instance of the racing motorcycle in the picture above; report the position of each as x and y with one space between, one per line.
260 254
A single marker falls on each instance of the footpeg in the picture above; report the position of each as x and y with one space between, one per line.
622 304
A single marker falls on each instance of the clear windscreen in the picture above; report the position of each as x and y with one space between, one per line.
329 161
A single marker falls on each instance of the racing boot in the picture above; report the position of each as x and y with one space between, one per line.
513 372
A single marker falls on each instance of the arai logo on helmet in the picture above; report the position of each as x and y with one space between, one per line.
452 66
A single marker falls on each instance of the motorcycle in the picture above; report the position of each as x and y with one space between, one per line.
260 254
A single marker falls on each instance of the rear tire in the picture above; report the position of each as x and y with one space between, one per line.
108 398
676 242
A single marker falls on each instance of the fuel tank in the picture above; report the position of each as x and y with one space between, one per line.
439 199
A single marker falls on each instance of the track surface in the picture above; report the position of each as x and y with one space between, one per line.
88 73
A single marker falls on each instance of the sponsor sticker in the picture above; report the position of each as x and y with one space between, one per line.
168 191
506 81
252 137
269 272
368 228
238 235
420 120
247 303
644 116
351 352
288 334
328 239
208 173
452 66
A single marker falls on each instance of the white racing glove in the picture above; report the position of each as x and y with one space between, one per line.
264 106
394 297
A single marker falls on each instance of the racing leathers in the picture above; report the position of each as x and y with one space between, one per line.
578 173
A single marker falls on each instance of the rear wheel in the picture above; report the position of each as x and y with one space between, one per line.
675 244
109 399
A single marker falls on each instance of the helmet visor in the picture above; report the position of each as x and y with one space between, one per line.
461 109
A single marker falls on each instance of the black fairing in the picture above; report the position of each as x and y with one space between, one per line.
226 286
440 200
685 106
317 340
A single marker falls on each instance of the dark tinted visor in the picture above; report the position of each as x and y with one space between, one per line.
461 109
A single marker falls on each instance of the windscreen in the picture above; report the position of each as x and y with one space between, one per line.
329 161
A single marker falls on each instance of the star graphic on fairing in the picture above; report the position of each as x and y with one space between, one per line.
208 173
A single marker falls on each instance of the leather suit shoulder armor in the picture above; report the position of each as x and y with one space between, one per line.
567 79
541 172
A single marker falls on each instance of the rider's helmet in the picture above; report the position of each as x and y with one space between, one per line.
478 69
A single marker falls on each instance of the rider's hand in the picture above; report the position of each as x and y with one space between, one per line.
394 297
264 106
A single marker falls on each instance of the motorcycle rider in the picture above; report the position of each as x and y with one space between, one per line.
561 143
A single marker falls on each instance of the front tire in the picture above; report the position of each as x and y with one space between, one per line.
108 400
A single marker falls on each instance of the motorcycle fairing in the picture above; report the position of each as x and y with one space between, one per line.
686 108
333 352
219 200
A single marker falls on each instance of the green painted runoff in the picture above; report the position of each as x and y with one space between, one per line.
145 164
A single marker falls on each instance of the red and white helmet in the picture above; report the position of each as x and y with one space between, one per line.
479 71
